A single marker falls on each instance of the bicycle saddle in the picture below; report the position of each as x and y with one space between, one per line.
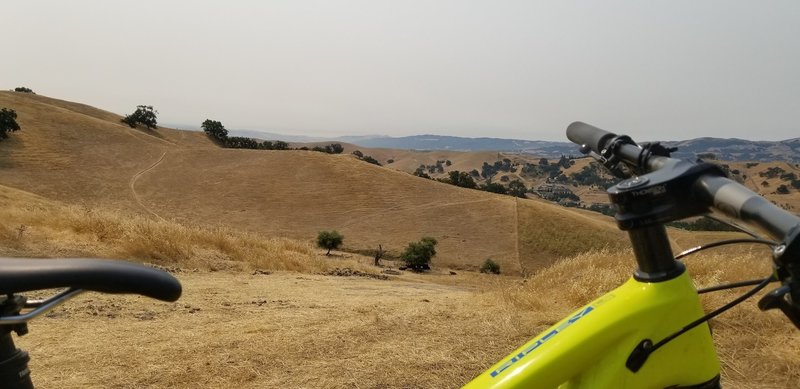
107 276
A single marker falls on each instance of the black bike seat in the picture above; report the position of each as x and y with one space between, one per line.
99 275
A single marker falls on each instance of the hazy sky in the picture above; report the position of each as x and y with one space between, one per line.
522 69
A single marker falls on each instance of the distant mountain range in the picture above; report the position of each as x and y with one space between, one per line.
724 149
739 149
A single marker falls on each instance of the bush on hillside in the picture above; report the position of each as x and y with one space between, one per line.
144 115
333 148
517 188
329 240
23 89
371 160
418 255
361 156
420 172
8 122
490 266
494 188
462 179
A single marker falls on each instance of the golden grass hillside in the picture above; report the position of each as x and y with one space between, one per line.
80 155
32 226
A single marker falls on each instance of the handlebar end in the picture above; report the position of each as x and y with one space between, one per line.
588 135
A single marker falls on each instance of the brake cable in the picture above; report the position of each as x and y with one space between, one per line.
694 250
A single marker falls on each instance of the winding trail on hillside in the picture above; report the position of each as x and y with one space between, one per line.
132 186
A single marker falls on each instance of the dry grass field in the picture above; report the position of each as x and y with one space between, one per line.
263 308
289 329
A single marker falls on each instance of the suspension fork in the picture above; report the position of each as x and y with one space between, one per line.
14 372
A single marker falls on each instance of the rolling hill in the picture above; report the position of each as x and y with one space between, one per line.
81 155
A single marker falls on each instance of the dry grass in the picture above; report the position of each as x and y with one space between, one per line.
33 226
234 329
546 235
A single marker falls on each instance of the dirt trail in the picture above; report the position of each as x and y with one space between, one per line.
132 186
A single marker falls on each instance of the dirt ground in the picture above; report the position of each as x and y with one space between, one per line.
272 330
258 329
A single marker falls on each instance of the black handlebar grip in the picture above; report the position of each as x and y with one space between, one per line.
585 134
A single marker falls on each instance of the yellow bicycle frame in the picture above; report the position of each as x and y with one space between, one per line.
589 348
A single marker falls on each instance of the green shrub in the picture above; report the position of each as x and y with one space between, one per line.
490 266
417 255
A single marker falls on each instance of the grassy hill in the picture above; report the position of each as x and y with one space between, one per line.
81 155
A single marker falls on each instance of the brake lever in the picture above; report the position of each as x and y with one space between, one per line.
609 161
778 299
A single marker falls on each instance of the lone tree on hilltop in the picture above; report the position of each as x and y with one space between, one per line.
329 240
215 130
417 255
8 122
144 114
24 90
335 148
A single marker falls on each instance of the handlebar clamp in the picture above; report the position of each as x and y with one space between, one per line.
611 160
660 196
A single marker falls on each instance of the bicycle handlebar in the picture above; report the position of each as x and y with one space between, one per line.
591 136
741 203
722 193
107 276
